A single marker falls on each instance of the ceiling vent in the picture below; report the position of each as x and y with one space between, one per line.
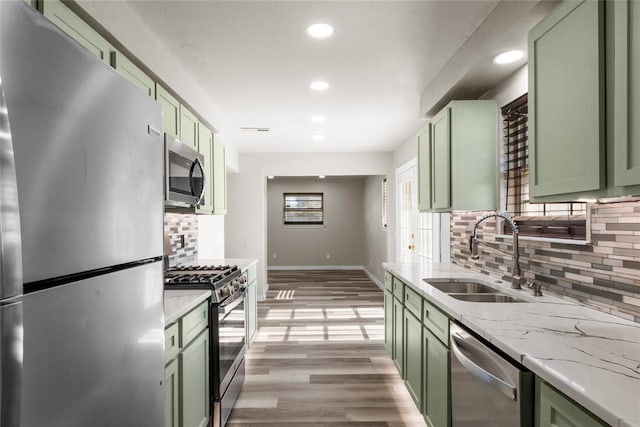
247 129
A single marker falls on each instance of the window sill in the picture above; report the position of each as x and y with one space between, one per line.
547 239
303 226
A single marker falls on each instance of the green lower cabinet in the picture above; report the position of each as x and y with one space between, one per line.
194 382
436 396
413 356
388 321
556 410
76 28
397 348
171 395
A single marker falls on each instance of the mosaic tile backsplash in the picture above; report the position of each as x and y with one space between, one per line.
179 226
604 274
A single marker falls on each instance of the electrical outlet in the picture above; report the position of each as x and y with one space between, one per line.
328 255
275 255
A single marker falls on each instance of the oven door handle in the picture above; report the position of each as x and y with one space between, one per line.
227 306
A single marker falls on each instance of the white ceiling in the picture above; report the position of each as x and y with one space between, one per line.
255 61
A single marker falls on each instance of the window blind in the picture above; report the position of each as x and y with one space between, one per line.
558 220
303 208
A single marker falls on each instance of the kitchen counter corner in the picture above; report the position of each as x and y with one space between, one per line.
179 302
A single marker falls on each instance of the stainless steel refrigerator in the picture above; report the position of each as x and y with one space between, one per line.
82 287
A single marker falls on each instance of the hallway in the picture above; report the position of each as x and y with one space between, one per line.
319 358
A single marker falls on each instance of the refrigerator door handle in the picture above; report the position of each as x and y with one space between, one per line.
10 238
492 381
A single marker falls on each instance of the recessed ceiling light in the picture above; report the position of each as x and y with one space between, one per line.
321 176
508 57
319 85
318 118
320 30
271 177
318 138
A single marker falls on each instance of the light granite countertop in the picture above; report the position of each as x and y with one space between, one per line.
177 302
592 357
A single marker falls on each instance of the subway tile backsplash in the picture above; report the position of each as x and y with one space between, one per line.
604 274
182 230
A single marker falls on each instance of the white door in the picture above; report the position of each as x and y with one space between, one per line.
407 191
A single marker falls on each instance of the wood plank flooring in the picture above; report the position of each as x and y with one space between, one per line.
319 357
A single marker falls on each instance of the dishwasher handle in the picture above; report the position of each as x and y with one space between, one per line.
488 378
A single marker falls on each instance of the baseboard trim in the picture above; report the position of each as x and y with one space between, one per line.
315 267
373 278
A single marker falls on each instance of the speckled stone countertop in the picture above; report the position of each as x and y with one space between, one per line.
590 356
179 302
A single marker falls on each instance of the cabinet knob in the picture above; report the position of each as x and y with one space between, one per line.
411 247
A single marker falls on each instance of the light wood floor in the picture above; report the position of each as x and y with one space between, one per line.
319 358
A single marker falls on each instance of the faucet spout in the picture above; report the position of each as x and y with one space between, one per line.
516 275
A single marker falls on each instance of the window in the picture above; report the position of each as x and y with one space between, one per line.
303 208
556 220
385 204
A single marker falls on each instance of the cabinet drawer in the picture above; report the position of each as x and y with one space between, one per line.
436 321
398 289
193 323
251 274
413 302
388 281
171 345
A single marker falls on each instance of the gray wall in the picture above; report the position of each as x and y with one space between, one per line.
375 236
342 235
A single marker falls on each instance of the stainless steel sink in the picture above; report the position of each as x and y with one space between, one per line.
486 298
459 286
470 290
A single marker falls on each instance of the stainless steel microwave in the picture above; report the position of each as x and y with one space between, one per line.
184 174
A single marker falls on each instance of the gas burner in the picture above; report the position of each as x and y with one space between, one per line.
222 280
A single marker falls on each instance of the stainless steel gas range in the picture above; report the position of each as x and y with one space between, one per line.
227 328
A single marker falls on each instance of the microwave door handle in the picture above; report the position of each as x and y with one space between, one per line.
486 377
197 163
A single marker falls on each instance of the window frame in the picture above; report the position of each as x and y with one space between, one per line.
285 209
559 226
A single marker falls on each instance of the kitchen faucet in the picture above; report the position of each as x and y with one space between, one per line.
517 280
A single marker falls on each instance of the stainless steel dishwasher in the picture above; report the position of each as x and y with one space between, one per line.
486 388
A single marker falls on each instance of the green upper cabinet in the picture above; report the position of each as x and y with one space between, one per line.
458 163
566 100
134 74
441 160
219 177
75 27
170 111
424 169
188 127
626 92
205 147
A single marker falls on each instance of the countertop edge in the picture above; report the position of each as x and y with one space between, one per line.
177 303
529 361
